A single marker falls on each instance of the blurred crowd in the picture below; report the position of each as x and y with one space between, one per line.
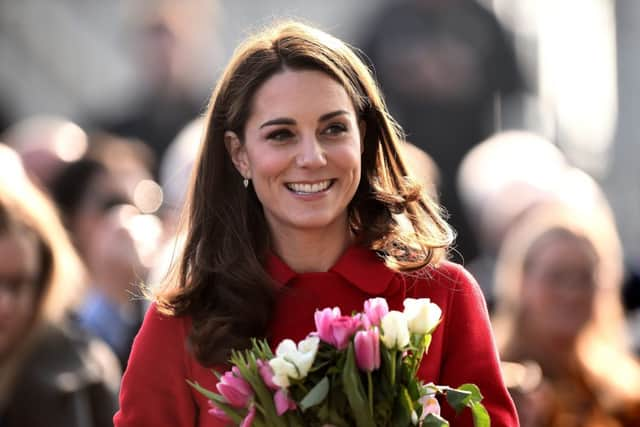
89 212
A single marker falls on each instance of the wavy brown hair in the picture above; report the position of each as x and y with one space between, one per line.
221 267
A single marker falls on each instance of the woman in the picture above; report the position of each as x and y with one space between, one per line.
292 208
558 295
45 363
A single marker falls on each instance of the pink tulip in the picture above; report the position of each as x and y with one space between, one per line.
248 420
324 320
219 413
343 329
335 329
367 347
283 402
235 389
266 372
375 309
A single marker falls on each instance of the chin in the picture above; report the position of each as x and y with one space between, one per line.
313 222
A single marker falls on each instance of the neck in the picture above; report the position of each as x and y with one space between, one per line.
307 251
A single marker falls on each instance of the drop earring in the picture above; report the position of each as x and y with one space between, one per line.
245 182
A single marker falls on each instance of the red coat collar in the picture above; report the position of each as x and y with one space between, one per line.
361 267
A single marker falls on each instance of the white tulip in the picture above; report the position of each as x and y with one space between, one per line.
293 362
395 330
282 370
422 315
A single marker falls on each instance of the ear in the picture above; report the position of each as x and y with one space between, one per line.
363 131
238 153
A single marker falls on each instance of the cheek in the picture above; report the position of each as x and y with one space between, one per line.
25 309
20 315
268 164
535 297
348 159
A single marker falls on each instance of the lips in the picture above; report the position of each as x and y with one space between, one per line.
310 188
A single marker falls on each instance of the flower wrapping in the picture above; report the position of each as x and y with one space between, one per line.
353 370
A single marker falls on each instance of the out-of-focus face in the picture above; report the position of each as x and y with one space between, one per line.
302 151
559 288
103 193
19 269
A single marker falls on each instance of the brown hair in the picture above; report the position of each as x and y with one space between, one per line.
221 267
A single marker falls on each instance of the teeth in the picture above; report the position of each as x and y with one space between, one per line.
309 188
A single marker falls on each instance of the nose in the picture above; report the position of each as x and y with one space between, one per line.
311 153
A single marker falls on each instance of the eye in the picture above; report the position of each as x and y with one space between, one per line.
13 286
280 135
335 129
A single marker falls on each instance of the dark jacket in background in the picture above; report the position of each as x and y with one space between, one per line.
69 380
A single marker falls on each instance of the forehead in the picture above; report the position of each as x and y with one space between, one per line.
299 92
556 248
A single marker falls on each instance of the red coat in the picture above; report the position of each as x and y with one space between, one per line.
155 393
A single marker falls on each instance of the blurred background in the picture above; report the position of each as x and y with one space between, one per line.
510 104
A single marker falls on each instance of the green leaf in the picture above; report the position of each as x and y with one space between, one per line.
433 420
355 391
402 409
207 393
427 342
316 395
480 415
476 396
415 391
458 399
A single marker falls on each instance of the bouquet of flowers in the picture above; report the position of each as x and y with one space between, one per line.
354 370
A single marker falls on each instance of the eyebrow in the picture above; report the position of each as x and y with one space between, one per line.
289 121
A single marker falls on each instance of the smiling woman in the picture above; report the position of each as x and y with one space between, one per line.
302 154
298 114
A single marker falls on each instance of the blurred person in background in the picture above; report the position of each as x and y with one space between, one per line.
115 240
498 181
46 144
443 64
169 40
51 373
175 174
422 167
559 312
631 299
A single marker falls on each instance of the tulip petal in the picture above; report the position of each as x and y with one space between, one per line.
248 420
283 402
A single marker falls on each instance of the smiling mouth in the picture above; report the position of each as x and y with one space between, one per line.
308 188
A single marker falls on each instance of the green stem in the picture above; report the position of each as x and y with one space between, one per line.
416 362
393 367
370 381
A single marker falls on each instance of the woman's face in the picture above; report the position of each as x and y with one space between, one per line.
559 287
19 270
302 151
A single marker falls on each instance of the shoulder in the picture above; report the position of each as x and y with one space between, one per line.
450 286
160 329
83 366
79 354
447 276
